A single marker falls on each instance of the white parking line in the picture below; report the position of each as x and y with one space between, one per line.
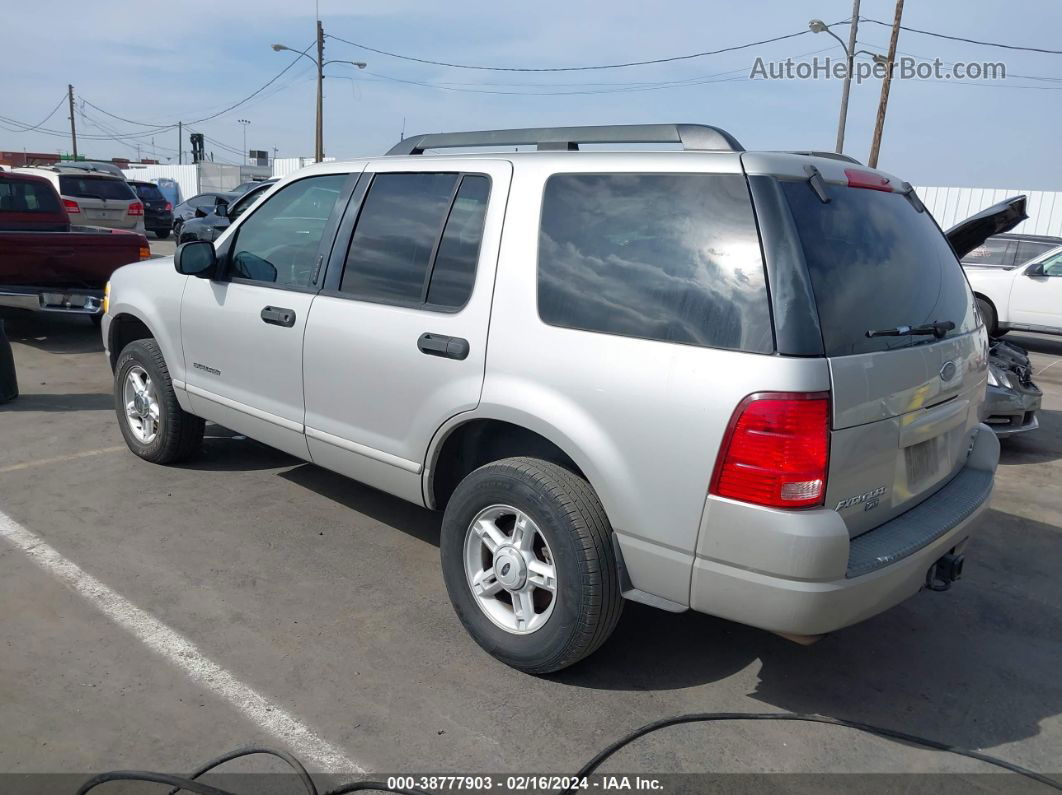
313 750
41 462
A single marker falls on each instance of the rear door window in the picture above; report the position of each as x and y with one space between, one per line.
89 187
417 239
876 263
996 252
670 257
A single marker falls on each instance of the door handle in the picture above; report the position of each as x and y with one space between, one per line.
441 345
278 316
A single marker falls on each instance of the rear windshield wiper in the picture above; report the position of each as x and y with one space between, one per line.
938 328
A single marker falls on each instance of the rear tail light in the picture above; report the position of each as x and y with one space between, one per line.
71 206
145 249
136 208
169 207
776 450
867 179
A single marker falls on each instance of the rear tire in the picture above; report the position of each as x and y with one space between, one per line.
153 423
162 234
571 548
988 315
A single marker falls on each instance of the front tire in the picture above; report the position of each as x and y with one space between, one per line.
529 565
153 423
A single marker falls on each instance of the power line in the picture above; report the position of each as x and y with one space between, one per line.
58 104
569 68
962 39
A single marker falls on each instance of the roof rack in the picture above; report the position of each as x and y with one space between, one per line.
692 137
830 155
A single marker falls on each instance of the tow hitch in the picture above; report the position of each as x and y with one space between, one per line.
944 572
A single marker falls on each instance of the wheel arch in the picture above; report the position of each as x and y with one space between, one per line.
125 327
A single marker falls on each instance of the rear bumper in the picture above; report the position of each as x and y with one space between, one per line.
69 301
821 581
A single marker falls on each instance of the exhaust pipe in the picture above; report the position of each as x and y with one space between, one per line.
944 572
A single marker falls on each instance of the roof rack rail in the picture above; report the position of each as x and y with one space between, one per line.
830 155
692 137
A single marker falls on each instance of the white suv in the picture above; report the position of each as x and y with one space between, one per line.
708 379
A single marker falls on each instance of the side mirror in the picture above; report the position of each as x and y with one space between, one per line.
221 210
196 258
200 212
1035 270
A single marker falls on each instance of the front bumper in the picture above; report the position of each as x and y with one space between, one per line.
813 579
1011 411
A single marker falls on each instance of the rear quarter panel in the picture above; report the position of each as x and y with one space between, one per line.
642 419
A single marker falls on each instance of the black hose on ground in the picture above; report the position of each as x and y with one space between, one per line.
192 785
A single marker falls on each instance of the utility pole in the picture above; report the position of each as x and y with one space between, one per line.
180 137
848 76
318 154
73 129
879 125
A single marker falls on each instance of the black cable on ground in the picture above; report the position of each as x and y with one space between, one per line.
191 785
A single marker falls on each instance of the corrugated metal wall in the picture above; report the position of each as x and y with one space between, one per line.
951 205
283 166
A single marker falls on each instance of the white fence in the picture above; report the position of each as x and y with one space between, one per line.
186 176
283 166
951 205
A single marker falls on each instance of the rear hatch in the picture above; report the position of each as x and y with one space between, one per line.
101 200
905 404
155 204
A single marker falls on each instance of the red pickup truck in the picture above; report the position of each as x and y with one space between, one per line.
47 265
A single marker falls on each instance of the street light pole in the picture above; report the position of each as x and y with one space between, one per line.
244 123
843 120
320 63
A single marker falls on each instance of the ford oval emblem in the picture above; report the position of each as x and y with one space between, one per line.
947 372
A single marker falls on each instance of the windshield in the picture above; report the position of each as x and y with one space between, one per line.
94 187
877 263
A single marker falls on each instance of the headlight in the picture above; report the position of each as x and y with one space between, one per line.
997 377
106 297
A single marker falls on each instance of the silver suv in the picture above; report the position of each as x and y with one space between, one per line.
93 197
746 383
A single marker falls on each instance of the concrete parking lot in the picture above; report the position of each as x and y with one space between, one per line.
325 597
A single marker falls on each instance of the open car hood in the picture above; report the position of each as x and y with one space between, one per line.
967 235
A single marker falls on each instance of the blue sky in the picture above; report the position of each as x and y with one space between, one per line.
158 63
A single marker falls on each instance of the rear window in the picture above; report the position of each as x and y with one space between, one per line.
149 193
996 252
669 257
94 187
17 196
875 263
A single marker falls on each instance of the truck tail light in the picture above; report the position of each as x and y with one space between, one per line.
169 207
71 206
776 450
136 208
